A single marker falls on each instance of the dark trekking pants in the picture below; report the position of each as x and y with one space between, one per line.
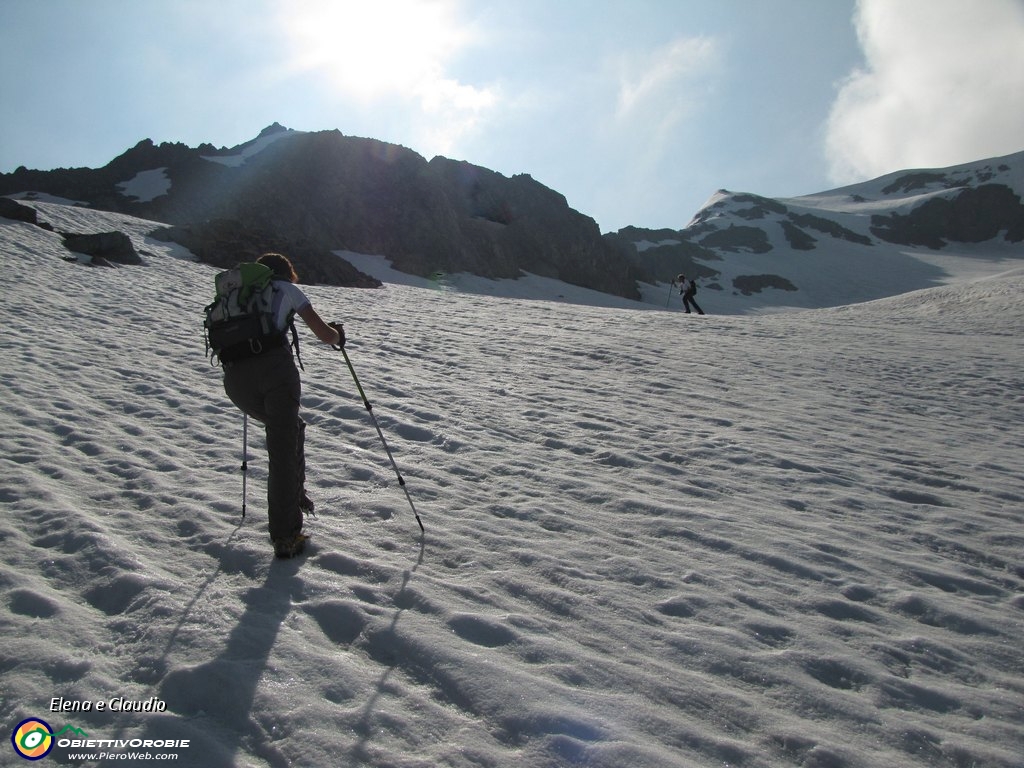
688 300
267 388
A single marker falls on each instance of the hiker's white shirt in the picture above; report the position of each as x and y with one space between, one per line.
288 298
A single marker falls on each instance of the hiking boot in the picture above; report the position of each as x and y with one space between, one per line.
306 506
290 546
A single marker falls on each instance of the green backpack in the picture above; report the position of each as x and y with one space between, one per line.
240 322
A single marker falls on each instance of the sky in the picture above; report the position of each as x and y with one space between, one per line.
636 111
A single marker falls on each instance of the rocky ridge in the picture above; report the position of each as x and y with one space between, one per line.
311 195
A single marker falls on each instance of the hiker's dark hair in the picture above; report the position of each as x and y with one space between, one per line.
281 265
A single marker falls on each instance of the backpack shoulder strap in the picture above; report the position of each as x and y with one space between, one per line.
295 341
289 327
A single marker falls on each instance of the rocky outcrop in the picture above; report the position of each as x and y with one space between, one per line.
806 221
738 239
664 255
103 247
511 225
748 284
970 216
225 242
11 209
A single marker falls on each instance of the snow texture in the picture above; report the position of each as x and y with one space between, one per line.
651 539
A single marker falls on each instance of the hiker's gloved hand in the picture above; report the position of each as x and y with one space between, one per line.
341 334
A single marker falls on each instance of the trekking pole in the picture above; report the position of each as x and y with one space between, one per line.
245 459
669 299
369 410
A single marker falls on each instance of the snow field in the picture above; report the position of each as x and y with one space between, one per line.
652 539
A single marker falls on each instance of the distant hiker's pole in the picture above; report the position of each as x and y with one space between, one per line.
670 287
369 410
245 458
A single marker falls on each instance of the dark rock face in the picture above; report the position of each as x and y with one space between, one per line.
225 242
760 207
912 182
115 247
11 209
748 284
798 239
519 224
738 239
667 256
971 216
827 227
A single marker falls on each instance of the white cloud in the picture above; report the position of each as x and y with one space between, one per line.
665 78
944 84
658 90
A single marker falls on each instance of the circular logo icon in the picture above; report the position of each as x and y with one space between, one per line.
33 739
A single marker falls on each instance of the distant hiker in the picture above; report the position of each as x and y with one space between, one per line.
260 378
688 289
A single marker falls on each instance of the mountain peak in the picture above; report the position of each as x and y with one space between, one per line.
270 130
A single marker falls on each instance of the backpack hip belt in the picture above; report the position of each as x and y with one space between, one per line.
252 348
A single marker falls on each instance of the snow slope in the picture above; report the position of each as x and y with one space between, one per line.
652 539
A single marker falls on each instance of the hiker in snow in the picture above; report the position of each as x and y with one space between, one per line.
266 386
688 289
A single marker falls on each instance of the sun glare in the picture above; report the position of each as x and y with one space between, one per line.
371 50
389 51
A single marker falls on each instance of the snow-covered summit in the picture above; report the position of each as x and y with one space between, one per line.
916 185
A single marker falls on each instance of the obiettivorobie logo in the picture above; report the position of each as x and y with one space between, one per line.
34 738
